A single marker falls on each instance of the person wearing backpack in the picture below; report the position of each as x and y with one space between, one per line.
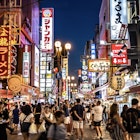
133 120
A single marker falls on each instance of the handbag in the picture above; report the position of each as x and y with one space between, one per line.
42 127
109 126
33 128
25 125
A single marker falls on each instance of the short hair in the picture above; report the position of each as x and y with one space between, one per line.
58 114
98 102
78 100
134 101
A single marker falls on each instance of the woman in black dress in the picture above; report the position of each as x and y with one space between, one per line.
16 117
37 113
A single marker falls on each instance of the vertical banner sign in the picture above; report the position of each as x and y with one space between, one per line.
36 67
5 55
118 16
26 59
47 30
93 56
119 58
65 65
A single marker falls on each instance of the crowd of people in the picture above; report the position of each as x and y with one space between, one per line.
62 121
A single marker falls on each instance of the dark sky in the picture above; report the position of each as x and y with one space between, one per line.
74 22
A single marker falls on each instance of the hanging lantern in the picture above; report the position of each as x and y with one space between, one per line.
117 82
14 83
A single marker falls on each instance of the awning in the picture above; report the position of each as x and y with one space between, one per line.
134 89
100 88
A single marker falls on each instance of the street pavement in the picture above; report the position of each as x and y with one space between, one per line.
89 134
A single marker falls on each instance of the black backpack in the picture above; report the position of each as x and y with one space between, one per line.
132 121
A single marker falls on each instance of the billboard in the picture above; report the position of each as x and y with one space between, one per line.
47 30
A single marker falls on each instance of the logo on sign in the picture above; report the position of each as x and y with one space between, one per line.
119 58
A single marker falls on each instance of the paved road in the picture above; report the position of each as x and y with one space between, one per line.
89 134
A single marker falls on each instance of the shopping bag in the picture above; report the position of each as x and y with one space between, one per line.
33 128
42 127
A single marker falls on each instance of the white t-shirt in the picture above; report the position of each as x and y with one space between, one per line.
22 117
98 113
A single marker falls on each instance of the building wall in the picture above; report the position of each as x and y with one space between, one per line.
104 28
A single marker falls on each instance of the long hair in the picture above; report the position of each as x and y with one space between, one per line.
113 110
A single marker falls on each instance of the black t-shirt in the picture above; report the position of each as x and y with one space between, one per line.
132 120
80 110
6 114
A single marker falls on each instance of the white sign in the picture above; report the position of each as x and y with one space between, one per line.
85 87
47 30
118 16
26 59
36 67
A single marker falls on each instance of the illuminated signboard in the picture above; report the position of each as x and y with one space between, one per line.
26 58
47 30
93 56
118 17
85 87
98 65
36 67
5 55
119 58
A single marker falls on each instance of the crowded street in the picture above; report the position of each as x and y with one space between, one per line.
89 134
69 70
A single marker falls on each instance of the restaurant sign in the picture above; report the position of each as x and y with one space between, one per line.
47 30
119 55
98 65
5 55
118 18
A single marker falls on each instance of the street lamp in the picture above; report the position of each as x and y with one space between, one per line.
69 79
60 53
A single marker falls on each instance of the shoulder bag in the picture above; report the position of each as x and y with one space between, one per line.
25 125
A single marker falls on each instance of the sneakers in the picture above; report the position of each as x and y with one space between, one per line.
68 134
101 138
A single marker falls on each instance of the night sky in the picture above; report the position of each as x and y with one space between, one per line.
74 22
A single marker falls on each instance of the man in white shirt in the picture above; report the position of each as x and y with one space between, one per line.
98 114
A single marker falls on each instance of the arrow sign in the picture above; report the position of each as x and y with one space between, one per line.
119 58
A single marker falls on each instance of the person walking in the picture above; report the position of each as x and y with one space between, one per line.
58 131
79 116
118 130
26 117
67 116
133 120
37 113
47 117
97 119
124 115
16 117
6 117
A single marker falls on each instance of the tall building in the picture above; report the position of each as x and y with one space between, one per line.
19 23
